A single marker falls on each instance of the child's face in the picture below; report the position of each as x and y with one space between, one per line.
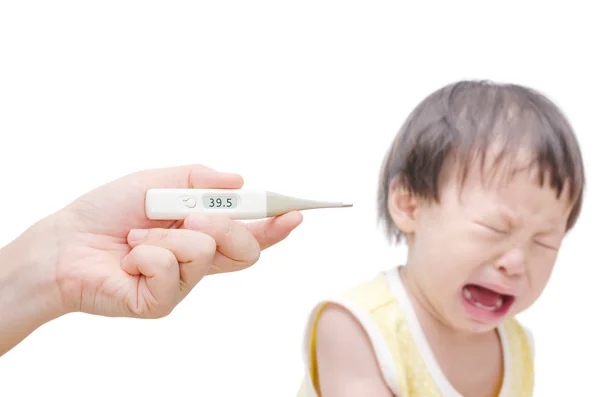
480 241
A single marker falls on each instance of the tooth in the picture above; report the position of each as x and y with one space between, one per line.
499 302
467 294
496 305
481 306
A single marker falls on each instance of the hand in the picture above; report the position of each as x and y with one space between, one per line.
113 261
101 255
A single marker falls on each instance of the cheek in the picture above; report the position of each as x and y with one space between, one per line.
539 270
449 248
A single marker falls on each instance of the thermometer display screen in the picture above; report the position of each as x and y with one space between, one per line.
221 201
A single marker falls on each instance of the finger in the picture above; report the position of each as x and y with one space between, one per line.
236 247
273 230
158 287
194 251
208 178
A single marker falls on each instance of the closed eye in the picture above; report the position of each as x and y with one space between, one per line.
497 230
547 246
549 239
492 228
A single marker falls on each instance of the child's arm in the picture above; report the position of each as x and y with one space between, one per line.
346 362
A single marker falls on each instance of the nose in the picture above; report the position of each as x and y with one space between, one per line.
512 263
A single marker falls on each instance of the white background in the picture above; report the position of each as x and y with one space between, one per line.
301 98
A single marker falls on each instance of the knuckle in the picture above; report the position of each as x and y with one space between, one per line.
161 259
141 252
223 225
158 235
247 247
206 248
162 311
255 251
209 246
168 261
153 314
138 311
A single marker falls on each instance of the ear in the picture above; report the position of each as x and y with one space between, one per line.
402 207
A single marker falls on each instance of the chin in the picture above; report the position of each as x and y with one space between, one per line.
473 327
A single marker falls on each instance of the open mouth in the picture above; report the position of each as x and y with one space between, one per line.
490 303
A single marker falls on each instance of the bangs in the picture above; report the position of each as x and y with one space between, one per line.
520 136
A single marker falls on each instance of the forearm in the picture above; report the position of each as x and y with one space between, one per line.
28 295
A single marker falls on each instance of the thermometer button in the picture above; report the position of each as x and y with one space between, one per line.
190 202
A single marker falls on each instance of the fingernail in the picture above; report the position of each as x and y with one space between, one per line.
137 234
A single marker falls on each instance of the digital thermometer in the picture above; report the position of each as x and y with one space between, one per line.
178 204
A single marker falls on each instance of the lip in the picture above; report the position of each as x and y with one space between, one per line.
499 288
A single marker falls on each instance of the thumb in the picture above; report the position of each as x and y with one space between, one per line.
188 176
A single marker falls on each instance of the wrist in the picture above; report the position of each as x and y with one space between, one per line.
29 296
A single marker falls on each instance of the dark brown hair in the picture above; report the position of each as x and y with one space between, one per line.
462 120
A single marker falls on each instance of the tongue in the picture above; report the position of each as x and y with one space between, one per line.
483 295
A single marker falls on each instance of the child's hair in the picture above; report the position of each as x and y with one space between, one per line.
462 120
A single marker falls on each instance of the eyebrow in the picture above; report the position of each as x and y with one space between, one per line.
553 226
506 215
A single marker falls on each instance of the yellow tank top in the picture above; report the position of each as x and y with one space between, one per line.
405 359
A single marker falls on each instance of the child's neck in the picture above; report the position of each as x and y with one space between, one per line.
432 322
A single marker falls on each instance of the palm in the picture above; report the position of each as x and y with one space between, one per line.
95 282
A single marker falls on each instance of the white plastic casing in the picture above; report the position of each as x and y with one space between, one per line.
177 204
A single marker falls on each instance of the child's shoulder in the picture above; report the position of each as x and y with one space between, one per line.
371 295
370 302
359 317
